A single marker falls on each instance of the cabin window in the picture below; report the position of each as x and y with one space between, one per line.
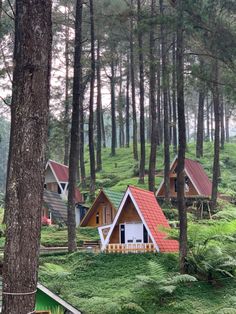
58 189
145 235
175 185
97 218
45 186
122 233
186 186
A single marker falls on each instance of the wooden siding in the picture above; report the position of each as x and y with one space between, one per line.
192 191
99 205
128 215
52 186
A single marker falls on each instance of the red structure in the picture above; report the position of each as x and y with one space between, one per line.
138 226
197 183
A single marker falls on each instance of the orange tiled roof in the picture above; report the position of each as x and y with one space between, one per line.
154 218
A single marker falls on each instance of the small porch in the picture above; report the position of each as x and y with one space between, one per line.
130 248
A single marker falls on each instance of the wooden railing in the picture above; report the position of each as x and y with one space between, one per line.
131 248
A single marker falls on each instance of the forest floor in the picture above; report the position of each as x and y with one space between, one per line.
108 284
122 170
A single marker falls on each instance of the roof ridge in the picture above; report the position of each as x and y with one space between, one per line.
59 163
138 188
107 189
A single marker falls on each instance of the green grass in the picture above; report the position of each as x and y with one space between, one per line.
105 284
121 170
53 236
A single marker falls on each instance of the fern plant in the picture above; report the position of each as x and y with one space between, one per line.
158 284
212 250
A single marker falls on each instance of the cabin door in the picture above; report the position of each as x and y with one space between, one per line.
134 233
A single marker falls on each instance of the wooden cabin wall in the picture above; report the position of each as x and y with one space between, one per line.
99 204
129 214
52 186
192 190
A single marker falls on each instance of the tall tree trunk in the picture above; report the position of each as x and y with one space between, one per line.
120 109
222 124
208 117
165 83
152 86
103 131
200 117
188 124
113 110
159 124
227 117
26 164
141 97
76 109
182 140
127 124
216 104
132 77
91 102
99 111
212 122
66 112
174 95
81 146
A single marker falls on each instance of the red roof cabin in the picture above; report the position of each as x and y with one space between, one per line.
137 226
197 183
56 193
56 180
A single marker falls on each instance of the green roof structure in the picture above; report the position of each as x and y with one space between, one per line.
114 197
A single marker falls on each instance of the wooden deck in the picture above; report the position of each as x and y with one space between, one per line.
131 248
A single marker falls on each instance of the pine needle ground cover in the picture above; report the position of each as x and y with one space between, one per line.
107 284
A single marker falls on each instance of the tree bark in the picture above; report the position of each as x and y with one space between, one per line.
26 164
99 111
212 122
81 145
165 83
76 110
208 116
141 97
159 124
216 104
227 117
113 110
127 124
174 95
200 117
152 97
91 102
120 108
103 131
182 140
134 115
222 124
66 112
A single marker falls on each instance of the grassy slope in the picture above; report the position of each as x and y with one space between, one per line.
102 284
121 170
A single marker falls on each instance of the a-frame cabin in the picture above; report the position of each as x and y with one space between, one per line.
138 226
197 183
103 209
